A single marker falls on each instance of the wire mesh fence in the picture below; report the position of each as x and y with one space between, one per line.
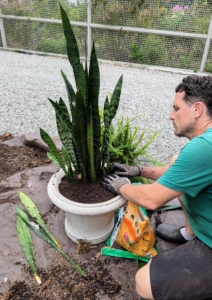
114 39
39 36
154 14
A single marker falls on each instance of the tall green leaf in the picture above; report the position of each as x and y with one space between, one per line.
114 102
62 114
36 230
105 142
67 141
48 140
78 166
79 130
53 158
86 61
68 164
71 44
34 213
90 143
27 246
70 91
93 98
73 53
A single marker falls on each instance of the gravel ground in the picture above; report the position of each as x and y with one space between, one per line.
28 80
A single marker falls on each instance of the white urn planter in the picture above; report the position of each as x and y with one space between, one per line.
90 222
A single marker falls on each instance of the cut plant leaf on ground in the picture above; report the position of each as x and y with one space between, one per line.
25 238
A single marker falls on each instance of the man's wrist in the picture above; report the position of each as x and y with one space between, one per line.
122 182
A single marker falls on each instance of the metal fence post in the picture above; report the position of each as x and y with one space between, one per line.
3 36
89 4
207 47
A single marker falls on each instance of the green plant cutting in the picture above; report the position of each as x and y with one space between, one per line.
23 223
79 127
34 213
27 246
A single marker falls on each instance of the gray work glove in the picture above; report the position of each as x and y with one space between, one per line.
126 171
113 183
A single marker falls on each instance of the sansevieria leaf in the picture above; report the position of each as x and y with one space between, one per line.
36 230
80 131
68 163
48 140
53 158
73 54
90 143
70 91
62 113
105 143
34 213
27 246
71 44
114 102
93 98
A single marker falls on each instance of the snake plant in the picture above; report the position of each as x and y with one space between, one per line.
79 126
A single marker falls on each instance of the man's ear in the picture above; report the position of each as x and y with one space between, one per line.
199 108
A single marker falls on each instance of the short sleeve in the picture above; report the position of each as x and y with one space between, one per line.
192 170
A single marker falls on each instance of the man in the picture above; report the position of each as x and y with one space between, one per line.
184 272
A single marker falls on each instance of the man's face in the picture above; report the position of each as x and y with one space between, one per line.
182 117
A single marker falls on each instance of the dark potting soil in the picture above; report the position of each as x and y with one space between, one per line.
84 192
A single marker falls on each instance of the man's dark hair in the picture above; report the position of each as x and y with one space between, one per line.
197 88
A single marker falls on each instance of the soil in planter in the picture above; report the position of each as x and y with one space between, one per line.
84 192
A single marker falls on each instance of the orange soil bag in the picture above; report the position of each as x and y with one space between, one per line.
135 233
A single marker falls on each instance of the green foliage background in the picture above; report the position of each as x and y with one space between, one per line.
141 48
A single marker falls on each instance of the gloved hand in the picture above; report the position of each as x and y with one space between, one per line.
127 171
113 183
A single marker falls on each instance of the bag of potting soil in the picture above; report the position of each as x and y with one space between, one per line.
134 232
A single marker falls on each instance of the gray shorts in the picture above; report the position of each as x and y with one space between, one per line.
182 273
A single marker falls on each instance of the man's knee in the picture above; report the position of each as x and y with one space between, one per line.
142 280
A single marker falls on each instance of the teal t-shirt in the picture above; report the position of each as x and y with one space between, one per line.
191 174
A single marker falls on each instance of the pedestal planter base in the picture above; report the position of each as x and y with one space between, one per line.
90 222
101 233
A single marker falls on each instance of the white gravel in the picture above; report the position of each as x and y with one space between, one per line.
26 81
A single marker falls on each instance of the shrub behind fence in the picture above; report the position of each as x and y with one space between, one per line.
167 33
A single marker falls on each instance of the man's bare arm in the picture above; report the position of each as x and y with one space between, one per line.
153 173
150 196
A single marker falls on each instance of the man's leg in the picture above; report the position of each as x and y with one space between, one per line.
182 272
142 280
187 225
173 233
176 233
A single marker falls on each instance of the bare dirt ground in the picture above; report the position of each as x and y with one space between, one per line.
27 168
